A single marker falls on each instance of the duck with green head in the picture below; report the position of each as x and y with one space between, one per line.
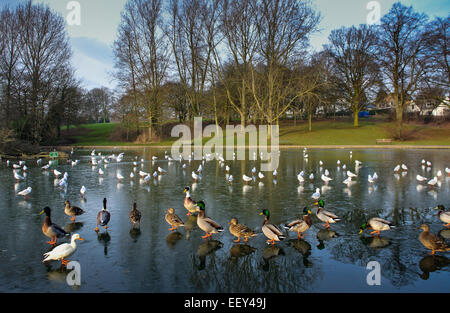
324 215
300 225
50 229
443 215
271 231
205 223
377 224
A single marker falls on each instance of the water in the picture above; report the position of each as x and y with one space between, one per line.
156 260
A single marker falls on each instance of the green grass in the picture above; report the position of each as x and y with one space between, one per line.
323 133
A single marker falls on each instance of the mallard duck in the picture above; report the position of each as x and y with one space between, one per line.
444 216
135 215
173 219
324 215
103 217
271 231
189 204
63 250
300 225
431 241
377 224
72 210
240 230
51 230
205 223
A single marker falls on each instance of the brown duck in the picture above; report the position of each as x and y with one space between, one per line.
240 230
135 216
431 241
72 210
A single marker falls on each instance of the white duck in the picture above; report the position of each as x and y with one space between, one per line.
63 251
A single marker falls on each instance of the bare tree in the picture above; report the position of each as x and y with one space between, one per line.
283 28
402 55
356 71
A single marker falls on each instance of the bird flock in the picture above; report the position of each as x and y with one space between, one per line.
207 224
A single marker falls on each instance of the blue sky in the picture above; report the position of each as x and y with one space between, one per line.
92 40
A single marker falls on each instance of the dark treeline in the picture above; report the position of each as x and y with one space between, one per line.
244 61
39 92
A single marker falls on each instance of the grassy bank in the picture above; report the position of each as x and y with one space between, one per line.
323 133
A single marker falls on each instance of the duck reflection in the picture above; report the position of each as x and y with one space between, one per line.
104 238
59 275
240 250
303 247
324 235
135 232
432 263
269 253
189 225
73 227
205 249
173 238
375 242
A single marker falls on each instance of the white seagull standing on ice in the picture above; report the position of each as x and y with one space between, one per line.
397 169
56 172
260 175
246 179
18 177
404 167
316 195
119 176
161 170
421 178
25 192
432 182
311 176
195 176
83 191
370 179
350 174
325 178
300 178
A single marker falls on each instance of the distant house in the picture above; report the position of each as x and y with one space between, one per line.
442 109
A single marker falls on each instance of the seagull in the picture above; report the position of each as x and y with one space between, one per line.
142 173
230 179
311 176
195 176
254 170
18 177
432 182
25 168
25 192
428 163
275 173
326 179
200 168
46 167
260 175
447 170
404 167
56 172
375 176
16 166
155 174
344 166
320 163
100 171
421 178
246 179
358 163
161 170
423 162
338 162
350 174
227 168
438 174
131 175
119 176
184 166
397 169
370 179
316 195
83 191
348 180
327 173
300 178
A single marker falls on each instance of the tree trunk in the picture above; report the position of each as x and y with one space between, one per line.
356 118
309 121
399 118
